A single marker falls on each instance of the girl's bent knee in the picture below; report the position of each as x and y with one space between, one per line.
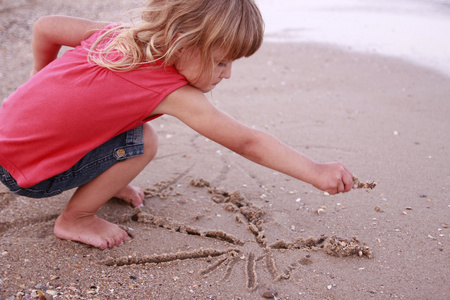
150 141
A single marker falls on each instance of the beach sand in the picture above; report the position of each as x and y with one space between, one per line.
215 226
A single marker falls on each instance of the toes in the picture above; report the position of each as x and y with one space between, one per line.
118 238
101 245
133 195
112 242
139 203
139 200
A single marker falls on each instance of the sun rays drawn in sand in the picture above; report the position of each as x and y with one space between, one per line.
236 256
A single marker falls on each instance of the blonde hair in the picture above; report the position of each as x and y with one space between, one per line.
235 27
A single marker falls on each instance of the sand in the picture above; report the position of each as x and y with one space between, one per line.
215 226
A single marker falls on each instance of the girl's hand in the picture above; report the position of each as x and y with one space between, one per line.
333 178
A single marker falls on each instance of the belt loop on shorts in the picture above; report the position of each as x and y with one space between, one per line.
135 135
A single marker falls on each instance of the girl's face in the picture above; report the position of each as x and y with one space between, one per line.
188 65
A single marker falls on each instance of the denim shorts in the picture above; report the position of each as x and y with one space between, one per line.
124 146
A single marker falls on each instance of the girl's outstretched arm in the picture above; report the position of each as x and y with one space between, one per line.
191 107
52 32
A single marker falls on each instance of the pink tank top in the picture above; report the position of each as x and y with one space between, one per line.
72 106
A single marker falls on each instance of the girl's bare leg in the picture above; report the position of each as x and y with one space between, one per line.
79 222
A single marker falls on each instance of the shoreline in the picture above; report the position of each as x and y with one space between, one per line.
407 29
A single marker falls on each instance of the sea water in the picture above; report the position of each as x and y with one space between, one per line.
415 30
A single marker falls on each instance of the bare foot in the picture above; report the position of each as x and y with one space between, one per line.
90 230
132 195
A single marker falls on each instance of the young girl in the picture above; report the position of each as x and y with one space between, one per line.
82 119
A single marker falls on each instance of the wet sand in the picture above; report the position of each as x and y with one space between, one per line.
215 226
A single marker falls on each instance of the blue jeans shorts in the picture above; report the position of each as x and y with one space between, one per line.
124 146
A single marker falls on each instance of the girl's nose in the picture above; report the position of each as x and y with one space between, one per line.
226 73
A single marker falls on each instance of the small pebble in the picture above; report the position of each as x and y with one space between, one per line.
34 294
306 261
269 294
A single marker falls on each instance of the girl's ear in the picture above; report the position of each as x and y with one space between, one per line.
176 40
176 50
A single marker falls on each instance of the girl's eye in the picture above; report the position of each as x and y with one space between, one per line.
223 64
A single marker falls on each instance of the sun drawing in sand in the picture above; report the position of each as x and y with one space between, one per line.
237 255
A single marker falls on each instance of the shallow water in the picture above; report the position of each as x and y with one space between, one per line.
415 30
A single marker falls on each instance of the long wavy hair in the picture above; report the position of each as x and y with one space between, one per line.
235 27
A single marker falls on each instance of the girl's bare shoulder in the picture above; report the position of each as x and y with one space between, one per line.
183 100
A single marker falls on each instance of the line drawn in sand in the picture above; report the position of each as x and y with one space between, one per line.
250 216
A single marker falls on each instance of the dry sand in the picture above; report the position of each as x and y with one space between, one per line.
254 233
